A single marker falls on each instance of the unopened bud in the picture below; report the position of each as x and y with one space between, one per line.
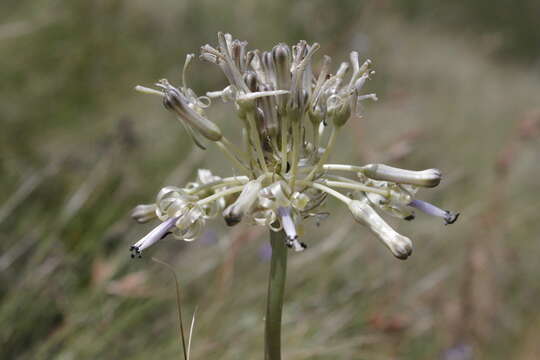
175 102
238 52
250 78
144 213
282 62
340 114
316 115
398 244
424 178
246 201
269 67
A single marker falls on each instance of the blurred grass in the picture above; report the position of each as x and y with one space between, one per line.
79 149
508 28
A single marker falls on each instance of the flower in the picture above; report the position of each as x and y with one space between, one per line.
290 117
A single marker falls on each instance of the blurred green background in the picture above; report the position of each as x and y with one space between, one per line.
459 89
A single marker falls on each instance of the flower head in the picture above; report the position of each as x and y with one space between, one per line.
290 117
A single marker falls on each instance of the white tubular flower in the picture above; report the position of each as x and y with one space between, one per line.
281 54
245 203
187 106
289 227
425 178
144 213
449 217
176 102
290 119
399 245
152 237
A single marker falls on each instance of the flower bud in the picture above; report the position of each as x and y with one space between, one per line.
424 178
175 101
282 62
269 68
238 54
398 244
316 116
246 201
250 78
340 114
144 213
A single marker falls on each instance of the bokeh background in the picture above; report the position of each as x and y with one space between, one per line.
459 89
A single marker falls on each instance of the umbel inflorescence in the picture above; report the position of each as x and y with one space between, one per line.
289 118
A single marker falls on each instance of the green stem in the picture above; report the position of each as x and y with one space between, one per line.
284 134
295 150
276 289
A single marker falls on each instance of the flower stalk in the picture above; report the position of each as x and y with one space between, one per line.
274 299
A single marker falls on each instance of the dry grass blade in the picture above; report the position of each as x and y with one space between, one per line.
25 190
178 306
191 334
